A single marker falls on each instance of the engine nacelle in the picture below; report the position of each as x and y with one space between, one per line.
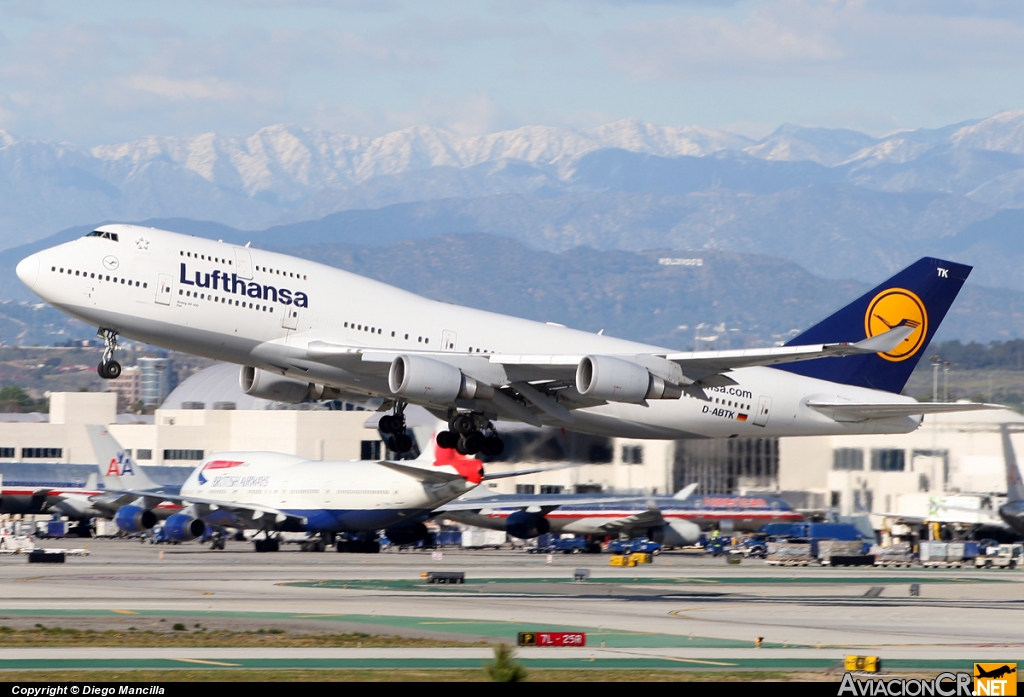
407 535
181 527
425 379
257 382
675 533
526 525
134 518
617 380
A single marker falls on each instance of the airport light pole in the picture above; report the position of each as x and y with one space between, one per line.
936 361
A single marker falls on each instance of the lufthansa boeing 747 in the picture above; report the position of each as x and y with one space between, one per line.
301 330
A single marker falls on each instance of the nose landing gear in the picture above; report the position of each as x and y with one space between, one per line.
108 369
470 434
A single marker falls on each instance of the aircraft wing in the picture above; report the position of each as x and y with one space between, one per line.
862 411
524 502
251 511
535 388
652 516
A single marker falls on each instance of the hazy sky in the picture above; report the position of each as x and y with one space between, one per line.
106 71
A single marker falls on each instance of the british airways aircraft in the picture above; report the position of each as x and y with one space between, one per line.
303 330
273 492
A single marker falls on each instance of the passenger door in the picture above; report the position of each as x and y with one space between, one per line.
448 339
764 408
290 319
163 289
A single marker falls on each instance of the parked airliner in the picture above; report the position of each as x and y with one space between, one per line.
303 330
676 521
275 492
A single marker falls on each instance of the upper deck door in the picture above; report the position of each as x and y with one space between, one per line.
243 263
163 289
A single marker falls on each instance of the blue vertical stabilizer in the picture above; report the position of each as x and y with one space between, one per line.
919 296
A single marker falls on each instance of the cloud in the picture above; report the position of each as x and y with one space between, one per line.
474 113
843 38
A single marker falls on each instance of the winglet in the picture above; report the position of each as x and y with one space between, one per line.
887 341
687 491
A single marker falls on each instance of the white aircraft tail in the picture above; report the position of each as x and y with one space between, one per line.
1014 486
116 468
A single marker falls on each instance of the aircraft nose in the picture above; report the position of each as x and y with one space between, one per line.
28 270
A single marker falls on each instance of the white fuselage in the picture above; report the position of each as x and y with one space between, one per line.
263 309
346 496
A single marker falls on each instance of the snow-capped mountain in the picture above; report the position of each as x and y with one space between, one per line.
286 173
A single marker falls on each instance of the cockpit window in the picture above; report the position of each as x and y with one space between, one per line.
104 235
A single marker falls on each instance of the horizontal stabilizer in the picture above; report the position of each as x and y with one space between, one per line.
862 411
534 470
431 476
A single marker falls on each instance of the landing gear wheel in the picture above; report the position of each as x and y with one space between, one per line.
400 443
385 423
109 369
268 544
460 446
447 439
463 425
472 444
493 446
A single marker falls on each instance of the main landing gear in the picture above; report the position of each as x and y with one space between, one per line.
318 542
470 434
266 544
394 424
109 369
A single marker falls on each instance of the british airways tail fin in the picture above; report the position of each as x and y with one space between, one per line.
116 467
1014 486
918 296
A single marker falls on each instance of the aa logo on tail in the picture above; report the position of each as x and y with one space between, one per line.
120 465
891 308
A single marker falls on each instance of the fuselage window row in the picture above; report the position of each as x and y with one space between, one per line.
216 299
83 274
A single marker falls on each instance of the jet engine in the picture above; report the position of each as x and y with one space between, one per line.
617 380
675 533
181 527
422 378
257 382
407 535
526 525
134 518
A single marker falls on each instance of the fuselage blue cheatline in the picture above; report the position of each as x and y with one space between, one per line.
305 330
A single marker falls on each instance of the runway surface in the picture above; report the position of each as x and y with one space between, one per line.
681 611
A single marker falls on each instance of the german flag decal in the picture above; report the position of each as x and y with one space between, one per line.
741 417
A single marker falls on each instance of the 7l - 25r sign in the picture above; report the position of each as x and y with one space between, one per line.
552 639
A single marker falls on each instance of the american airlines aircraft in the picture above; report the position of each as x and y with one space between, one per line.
673 520
302 330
